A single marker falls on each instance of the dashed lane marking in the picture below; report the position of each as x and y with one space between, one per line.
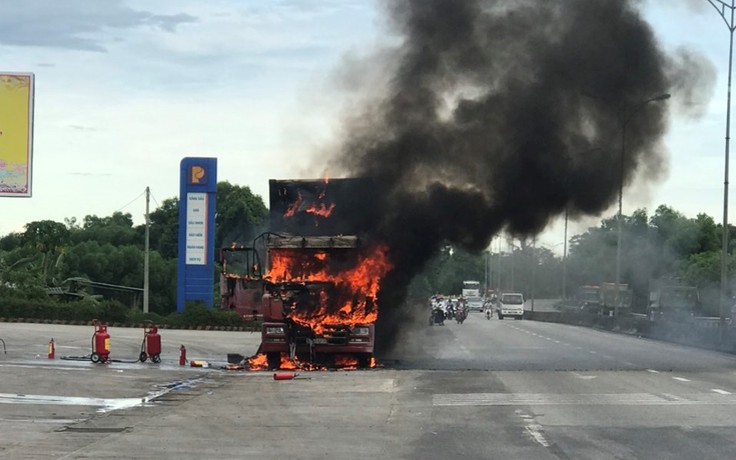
652 371
721 392
681 379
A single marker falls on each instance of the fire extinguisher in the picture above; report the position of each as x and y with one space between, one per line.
52 349
151 345
182 356
100 344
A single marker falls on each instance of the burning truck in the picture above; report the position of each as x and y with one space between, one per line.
317 291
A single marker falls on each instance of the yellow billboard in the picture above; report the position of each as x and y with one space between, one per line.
16 133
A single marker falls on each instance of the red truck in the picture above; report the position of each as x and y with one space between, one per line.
316 292
319 305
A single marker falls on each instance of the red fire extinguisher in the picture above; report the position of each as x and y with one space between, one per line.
100 344
182 356
52 349
151 346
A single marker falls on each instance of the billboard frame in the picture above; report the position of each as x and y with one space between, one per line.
26 187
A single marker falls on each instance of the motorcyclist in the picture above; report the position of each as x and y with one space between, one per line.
439 316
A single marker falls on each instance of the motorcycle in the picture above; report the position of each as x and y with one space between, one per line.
461 315
438 317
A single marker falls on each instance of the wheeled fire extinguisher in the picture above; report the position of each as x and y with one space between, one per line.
151 345
100 344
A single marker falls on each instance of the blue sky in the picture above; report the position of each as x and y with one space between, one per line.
125 89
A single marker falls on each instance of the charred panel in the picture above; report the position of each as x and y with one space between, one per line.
322 207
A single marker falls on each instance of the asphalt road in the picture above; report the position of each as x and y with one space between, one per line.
483 389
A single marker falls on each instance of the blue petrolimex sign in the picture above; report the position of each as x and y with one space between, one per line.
198 188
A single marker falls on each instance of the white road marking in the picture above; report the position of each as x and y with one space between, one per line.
46 366
721 392
652 371
583 377
681 379
535 431
593 352
587 399
557 341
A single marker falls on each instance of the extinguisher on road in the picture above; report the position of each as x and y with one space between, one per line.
151 345
100 343
182 356
52 349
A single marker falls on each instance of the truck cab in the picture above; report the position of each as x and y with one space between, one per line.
511 304
674 302
310 319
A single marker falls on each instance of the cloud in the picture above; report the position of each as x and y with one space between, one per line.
75 24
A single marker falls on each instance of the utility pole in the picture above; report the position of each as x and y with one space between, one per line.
145 254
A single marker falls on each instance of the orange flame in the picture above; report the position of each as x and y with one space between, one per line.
322 210
348 296
258 362
346 362
294 207
286 363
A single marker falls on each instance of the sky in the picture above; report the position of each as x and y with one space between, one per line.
127 88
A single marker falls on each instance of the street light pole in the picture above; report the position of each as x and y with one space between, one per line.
564 258
726 10
624 120
534 270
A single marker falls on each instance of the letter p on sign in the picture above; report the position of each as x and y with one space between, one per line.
197 175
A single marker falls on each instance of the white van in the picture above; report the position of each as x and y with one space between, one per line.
511 304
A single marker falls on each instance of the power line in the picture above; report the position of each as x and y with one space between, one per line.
155 200
131 201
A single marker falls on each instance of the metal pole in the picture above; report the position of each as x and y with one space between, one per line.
145 254
498 275
534 269
564 259
620 202
725 236
486 255
512 266
721 6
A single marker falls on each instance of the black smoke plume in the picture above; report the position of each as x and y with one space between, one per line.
499 115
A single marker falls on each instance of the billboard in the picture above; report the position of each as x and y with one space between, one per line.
16 133
196 261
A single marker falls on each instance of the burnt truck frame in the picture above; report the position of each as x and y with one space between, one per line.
241 282
283 336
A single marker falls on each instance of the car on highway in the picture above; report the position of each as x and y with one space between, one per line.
475 303
510 304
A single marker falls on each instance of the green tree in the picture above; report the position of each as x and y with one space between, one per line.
117 230
241 215
164 231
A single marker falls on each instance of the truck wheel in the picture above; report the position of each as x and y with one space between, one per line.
273 360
